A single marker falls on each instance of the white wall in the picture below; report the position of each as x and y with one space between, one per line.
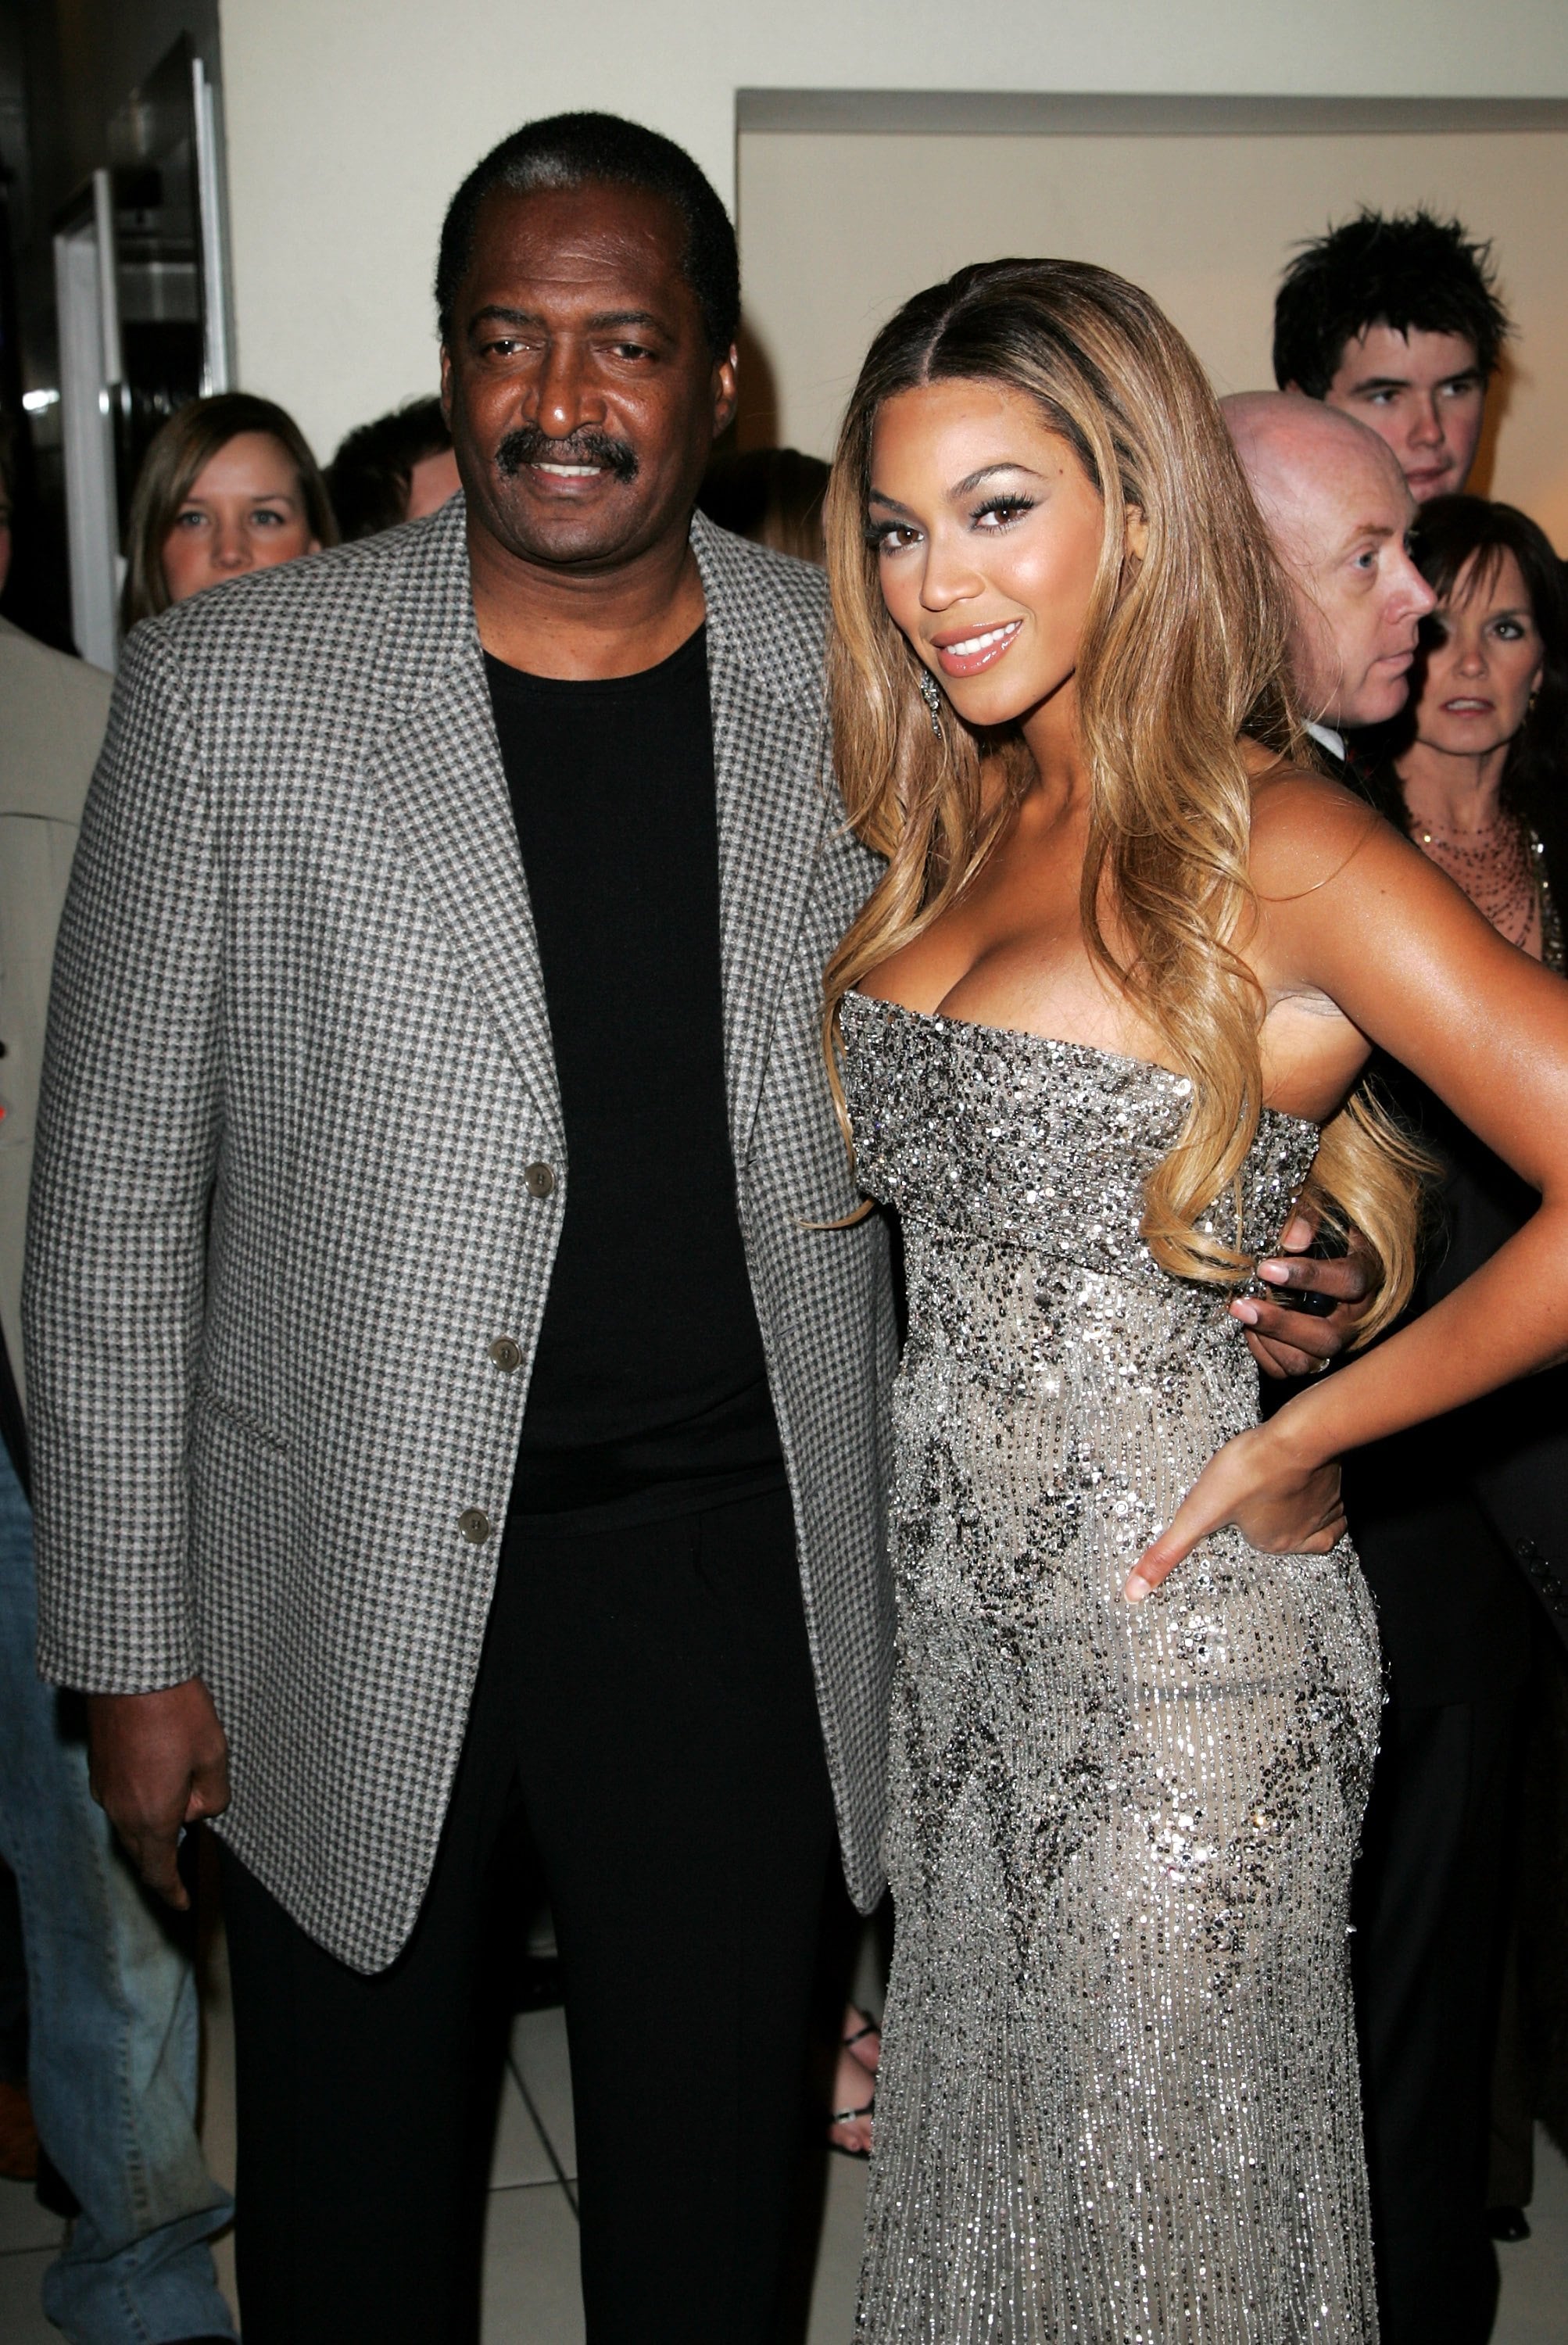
351 121
836 231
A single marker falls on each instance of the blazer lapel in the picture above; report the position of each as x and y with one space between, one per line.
439 775
769 760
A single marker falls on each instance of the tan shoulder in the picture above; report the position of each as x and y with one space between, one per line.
1306 829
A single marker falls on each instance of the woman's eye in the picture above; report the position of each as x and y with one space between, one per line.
890 537
267 517
193 519
1509 631
1002 512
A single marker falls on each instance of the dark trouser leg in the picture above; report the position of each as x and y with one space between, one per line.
13 1985
1511 2151
366 2106
672 1765
1429 1896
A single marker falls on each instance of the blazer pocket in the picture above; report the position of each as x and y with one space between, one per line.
211 1405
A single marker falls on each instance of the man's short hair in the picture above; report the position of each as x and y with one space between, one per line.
369 478
1412 272
577 150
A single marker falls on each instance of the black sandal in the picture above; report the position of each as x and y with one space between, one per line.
848 2043
848 2116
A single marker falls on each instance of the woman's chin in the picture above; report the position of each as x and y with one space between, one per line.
1461 740
989 705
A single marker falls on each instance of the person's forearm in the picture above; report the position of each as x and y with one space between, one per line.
1507 1320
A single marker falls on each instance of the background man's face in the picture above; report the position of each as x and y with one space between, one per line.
430 484
581 392
1359 598
1424 394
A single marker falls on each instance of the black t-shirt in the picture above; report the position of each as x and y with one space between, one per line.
650 1393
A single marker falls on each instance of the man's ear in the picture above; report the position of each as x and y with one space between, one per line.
1137 538
726 390
446 386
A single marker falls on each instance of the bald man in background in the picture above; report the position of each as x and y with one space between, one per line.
1338 509
1451 1608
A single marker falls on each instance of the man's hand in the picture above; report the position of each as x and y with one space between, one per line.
158 1761
1294 1343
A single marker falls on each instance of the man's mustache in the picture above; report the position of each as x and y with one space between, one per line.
529 445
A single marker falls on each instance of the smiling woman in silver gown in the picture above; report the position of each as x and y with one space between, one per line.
1096 1033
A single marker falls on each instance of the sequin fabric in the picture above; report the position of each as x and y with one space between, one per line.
1117 2101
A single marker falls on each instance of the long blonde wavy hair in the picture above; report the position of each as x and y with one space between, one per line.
1184 656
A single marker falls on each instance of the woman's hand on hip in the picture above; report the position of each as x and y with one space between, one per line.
1279 1502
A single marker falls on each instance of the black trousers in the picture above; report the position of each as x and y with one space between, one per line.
647 1702
1432 1932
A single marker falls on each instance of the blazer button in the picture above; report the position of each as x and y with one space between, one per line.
539 1180
505 1353
475 1525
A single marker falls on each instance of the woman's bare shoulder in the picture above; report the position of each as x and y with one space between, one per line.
1306 829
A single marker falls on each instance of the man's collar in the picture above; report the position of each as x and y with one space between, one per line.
1330 740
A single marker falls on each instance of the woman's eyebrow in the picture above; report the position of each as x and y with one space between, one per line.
988 472
964 488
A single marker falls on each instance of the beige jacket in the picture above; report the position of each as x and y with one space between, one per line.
53 711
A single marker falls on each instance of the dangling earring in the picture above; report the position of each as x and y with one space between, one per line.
930 693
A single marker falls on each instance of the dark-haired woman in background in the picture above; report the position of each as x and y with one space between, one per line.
228 485
1479 779
1452 1519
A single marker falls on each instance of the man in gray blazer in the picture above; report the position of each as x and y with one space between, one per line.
361 1131
452 1395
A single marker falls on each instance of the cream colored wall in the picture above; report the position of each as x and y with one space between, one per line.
836 231
350 121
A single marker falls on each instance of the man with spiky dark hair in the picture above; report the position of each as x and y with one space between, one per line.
1397 321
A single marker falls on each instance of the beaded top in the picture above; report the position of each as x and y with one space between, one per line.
1061 1137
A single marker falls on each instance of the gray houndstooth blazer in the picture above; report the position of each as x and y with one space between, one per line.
299 1058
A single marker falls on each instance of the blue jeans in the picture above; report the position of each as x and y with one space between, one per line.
112 2063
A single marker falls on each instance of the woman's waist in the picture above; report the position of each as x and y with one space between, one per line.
987 1313
1157 1417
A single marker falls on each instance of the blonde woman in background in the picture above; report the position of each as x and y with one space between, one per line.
1099 1029
228 485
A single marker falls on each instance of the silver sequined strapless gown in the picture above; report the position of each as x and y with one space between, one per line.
1118 2098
